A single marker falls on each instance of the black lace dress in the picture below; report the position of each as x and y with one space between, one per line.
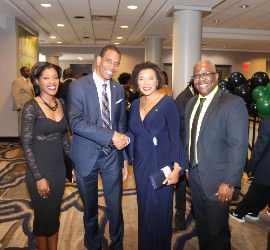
43 142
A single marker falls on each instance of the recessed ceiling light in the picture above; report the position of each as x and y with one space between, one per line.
60 25
79 17
244 6
216 21
46 5
132 7
124 26
59 42
119 37
52 37
116 43
80 58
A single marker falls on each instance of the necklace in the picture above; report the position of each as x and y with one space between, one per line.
51 108
152 99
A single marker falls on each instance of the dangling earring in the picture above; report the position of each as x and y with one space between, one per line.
37 90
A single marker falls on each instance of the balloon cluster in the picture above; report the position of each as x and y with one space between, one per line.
255 91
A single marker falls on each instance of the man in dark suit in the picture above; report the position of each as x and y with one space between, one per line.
217 148
258 195
95 128
63 86
180 187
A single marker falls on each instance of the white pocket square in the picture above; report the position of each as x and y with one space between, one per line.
119 101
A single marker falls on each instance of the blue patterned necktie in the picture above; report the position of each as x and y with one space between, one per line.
193 144
105 113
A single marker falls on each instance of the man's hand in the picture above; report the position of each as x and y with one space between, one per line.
125 170
120 141
224 193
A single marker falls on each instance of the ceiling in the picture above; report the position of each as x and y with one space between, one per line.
240 29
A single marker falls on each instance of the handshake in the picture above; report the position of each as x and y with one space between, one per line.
120 141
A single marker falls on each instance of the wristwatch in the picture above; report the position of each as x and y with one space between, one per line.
229 185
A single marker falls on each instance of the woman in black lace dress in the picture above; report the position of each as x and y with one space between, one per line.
44 137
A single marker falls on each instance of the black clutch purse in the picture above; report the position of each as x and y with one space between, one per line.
158 177
69 167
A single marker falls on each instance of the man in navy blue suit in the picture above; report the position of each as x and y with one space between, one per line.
97 145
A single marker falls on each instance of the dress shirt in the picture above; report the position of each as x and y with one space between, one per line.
205 106
99 82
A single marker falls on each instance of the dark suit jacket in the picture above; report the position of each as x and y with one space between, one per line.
63 89
89 135
181 101
259 164
222 143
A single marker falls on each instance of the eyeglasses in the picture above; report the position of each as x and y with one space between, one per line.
204 75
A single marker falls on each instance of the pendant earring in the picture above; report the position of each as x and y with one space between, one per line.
37 90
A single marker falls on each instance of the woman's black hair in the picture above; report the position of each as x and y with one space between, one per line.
37 71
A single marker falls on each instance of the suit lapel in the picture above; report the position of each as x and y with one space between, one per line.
93 98
189 111
210 109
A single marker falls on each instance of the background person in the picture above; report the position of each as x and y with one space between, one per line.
180 187
130 91
217 148
97 116
258 195
44 137
63 87
165 88
22 91
155 143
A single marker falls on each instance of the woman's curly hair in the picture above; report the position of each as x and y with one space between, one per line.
146 65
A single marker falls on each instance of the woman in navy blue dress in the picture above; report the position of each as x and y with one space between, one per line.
154 128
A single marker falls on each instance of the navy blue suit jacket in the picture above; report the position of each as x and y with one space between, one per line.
260 157
222 142
89 135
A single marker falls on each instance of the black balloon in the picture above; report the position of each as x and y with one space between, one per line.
249 83
228 90
259 79
223 83
244 91
252 108
234 79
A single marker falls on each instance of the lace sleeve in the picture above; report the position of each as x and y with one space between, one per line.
28 126
65 137
66 143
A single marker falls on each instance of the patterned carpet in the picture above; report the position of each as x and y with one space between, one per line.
16 214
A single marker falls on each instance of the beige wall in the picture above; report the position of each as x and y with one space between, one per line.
130 57
258 61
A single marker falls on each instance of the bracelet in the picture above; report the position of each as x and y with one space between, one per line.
229 185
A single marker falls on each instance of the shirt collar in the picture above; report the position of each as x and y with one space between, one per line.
98 80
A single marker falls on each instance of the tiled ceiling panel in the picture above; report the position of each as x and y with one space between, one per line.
150 18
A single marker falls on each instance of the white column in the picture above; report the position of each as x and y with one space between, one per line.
153 50
53 59
187 33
